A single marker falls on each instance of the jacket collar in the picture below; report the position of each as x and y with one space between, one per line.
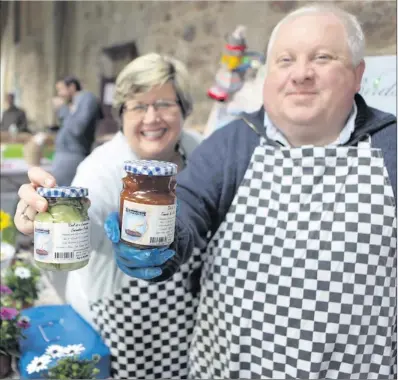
368 121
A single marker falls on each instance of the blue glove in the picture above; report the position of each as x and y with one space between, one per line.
139 263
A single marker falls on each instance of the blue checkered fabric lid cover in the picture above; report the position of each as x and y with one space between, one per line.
62 192
151 168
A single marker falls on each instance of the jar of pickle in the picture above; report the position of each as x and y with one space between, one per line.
62 233
148 204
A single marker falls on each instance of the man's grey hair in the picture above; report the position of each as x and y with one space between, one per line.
355 36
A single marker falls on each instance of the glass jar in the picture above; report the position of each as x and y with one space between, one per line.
148 204
62 233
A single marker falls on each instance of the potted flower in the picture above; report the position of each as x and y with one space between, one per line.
6 295
7 239
23 279
11 330
64 362
7 228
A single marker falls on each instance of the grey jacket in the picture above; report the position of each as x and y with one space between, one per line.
77 132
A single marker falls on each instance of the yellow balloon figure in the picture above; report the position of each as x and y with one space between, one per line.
235 61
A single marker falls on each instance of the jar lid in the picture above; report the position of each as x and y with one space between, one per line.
151 168
62 192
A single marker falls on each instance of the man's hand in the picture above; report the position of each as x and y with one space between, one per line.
58 102
139 263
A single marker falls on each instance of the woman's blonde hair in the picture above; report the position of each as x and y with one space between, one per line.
148 71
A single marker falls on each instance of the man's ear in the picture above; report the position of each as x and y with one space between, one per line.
359 70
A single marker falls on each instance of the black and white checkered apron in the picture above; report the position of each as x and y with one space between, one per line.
299 281
148 326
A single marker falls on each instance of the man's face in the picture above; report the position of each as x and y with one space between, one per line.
9 100
63 91
311 80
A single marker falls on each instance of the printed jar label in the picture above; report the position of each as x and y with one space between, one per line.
148 224
62 243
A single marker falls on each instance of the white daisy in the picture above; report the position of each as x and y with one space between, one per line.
55 351
38 364
22 272
73 349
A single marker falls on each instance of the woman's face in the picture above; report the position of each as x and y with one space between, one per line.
152 122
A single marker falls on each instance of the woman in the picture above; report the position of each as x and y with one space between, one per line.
148 338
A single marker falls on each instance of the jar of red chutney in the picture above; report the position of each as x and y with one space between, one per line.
148 204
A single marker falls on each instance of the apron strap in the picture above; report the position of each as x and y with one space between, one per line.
365 143
252 126
263 137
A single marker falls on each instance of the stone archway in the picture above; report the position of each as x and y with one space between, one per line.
113 59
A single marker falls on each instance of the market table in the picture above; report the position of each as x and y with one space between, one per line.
14 169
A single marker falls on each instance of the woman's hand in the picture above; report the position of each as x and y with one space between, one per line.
31 203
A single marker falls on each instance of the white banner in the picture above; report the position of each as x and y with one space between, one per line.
379 83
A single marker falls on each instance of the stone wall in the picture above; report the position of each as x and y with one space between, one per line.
69 39
28 67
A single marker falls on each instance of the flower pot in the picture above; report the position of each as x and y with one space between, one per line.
25 305
5 365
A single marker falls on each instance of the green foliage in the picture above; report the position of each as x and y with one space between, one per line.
11 330
75 368
8 232
23 279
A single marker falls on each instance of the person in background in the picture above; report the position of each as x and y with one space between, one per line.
148 327
14 115
78 114
299 275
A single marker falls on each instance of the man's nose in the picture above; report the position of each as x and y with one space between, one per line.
150 115
302 72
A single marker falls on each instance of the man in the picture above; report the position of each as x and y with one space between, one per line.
14 115
78 115
299 274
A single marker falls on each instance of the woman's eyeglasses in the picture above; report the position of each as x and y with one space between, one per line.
161 106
